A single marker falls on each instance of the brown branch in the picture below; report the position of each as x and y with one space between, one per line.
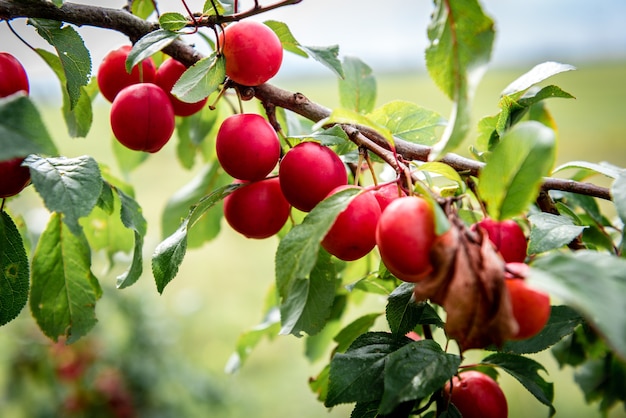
134 27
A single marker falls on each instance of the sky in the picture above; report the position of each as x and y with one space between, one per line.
391 34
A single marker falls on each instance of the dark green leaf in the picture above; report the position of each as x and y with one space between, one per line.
533 97
526 371
148 45
461 38
603 379
14 270
365 410
326 56
409 121
536 75
563 320
298 251
355 328
618 192
415 371
169 254
63 290
79 117
201 79
70 186
549 232
172 21
403 314
309 301
357 90
74 56
591 282
510 180
132 218
358 374
571 350
192 132
22 131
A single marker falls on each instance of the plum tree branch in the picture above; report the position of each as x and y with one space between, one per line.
134 27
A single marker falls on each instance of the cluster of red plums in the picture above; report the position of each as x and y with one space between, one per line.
13 79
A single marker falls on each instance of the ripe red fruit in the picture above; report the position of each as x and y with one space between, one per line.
508 238
112 76
405 234
13 177
308 172
13 77
166 76
253 52
476 395
258 209
247 146
387 193
142 117
531 307
353 233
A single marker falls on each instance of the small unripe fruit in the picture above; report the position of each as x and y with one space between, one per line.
508 238
405 235
247 146
13 77
353 233
112 76
166 76
13 177
531 307
252 51
142 117
308 172
476 395
258 209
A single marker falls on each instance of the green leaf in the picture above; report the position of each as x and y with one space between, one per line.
14 270
148 45
602 379
169 254
353 330
192 132
22 131
409 121
74 56
591 282
287 39
536 75
601 168
334 135
70 186
132 218
79 117
127 159
563 321
63 290
172 21
308 303
201 79
357 90
444 170
358 374
346 116
618 192
403 314
526 371
533 97
213 7
178 205
297 252
327 56
143 8
415 371
549 232
510 180
461 38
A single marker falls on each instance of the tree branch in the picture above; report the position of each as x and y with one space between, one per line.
124 22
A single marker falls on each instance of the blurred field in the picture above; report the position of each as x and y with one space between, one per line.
220 288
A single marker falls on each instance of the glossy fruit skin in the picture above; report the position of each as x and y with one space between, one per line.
387 193
13 77
166 76
508 238
258 209
112 76
353 235
13 177
404 235
531 308
253 52
247 146
308 172
476 395
142 117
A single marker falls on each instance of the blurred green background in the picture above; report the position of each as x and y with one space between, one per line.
168 351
